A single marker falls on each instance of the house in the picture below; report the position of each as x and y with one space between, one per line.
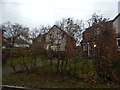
88 43
89 35
116 24
57 39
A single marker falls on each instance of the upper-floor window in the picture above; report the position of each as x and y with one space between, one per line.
119 42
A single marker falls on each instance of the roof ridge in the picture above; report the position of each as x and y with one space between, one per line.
116 17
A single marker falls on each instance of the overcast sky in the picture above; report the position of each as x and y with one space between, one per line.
42 12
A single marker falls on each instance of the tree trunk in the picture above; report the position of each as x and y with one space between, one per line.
65 64
34 63
51 62
14 68
58 65
25 65
62 64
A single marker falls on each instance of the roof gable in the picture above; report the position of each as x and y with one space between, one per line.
55 26
116 17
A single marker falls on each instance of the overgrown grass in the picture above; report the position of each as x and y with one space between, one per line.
116 66
45 76
21 63
82 67
48 80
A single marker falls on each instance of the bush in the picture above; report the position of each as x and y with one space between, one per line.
116 65
5 55
22 63
104 50
9 53
12 63
82 68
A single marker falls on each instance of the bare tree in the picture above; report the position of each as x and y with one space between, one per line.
15 34
37 32
106 47
95 19
38 41
73 27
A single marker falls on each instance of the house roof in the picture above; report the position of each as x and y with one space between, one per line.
56 27
63 31
52 29
87 29
116 17
59 29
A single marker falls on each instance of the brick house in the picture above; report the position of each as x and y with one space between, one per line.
88 42
57 39
116 24
89 35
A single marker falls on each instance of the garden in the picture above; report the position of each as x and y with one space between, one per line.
38 72
40 66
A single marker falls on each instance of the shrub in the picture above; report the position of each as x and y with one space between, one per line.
5 55
82 68
12 63
116 65
104 50
22 63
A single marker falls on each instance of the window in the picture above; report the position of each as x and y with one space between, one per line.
84 48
